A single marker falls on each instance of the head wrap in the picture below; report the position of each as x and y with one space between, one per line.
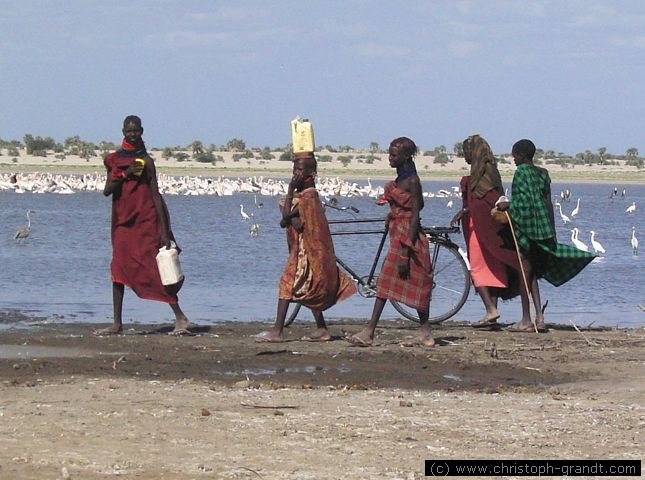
484 175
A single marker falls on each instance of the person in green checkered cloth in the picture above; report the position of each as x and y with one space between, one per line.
532 215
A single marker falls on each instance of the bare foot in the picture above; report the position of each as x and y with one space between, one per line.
181 327
269 336
104 332
522 326
489 320
360 339
319 335
427 340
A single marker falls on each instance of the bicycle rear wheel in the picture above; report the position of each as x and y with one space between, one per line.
451 284
292 313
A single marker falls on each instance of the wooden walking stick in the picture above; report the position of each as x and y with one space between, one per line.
519 258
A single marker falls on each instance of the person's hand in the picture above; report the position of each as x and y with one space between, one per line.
165 240
503 206
458 216
403 267
135 168
296 180
285 222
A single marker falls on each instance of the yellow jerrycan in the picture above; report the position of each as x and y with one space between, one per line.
302 135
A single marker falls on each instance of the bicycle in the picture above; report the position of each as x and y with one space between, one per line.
451 279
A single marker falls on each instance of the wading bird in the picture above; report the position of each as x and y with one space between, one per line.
564 218
631 208
245 215
634 242
24 232
597 246
576 210
579 245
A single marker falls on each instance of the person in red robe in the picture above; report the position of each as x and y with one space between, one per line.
140 226
311 276
494 266
406 275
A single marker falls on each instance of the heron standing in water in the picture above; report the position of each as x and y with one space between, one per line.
24 232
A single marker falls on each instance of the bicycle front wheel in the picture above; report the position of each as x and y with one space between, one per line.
450 286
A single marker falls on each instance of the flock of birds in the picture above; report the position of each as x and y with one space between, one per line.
598 248
328 187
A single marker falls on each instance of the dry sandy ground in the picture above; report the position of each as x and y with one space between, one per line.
217 405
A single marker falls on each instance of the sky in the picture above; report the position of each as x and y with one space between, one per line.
569 75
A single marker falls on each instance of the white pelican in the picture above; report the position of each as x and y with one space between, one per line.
631 208
597 246
634 241
245 215
576 210
579 245
24 232
564 218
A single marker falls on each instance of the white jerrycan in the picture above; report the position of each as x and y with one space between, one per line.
169 266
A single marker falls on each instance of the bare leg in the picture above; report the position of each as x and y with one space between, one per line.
366 336
490 302
275 335
321 334
181 320
526 325
537 303
425 338
118 290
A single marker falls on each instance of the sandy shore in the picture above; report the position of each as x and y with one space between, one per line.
357 168
217 405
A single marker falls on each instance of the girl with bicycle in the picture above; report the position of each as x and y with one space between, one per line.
406 275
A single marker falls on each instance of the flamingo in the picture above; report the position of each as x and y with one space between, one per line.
631 208
245 215
597 246
24 232
634 241
576 210
564 218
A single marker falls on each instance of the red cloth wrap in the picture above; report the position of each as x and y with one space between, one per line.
136 233
494 237
311 276
415 290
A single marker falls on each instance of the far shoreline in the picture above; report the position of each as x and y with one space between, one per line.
557 175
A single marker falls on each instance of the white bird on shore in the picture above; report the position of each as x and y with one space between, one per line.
564 218
634 242
597 246
631 208
576 210
24 232
579 245
245 215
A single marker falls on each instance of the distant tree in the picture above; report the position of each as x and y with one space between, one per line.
549 154
266 154
458 149
37 145
631 153
166 153
181 156
345 148
602 155
324 158
344 159
374 147
197 147
13 152
440 149
369 159
205 157
329 148
235 145
441 158
287 154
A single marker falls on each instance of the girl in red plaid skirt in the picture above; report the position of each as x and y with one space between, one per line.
406 275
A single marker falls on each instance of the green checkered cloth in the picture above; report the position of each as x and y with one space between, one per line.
535 232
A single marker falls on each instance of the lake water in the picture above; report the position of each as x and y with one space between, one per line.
61 272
